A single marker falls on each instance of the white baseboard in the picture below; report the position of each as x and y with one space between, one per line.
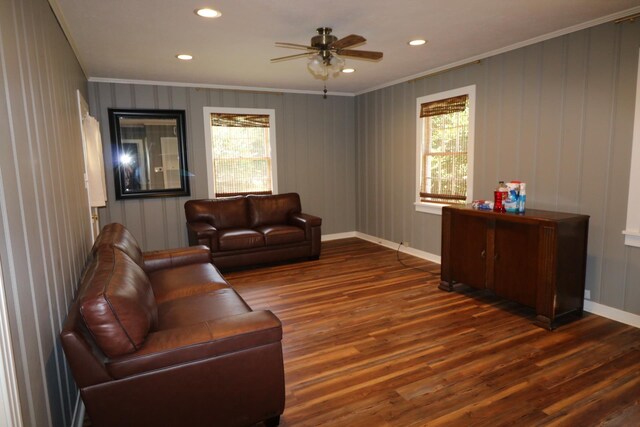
612 313
386 243
78 413
590 306
394 245
337 236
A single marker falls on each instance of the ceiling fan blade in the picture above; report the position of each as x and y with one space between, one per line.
362 54
350 40
282 58
294 45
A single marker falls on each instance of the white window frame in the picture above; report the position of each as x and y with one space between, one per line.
632 230
436 208
207 111
9 397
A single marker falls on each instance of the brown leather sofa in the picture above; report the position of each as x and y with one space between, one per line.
161 339
248 230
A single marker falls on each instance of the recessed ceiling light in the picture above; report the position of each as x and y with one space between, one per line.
417 42
348 70
184 57
208 13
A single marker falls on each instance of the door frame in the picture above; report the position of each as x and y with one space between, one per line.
83 111
10 414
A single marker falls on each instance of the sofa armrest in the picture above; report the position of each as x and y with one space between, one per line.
170 258
202 233
306 222
171 347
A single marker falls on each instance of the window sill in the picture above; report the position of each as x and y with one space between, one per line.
631 238
431 208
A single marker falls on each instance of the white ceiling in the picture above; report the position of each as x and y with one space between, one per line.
138 39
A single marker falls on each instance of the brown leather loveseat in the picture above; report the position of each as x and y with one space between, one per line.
247 230
161 339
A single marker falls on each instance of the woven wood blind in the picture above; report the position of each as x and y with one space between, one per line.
444 197
240 120
444 106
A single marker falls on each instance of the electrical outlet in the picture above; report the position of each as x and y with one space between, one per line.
587 294
406 244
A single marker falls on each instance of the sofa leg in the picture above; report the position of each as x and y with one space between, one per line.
314 258
272 422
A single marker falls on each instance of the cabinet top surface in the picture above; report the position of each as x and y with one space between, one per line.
528 215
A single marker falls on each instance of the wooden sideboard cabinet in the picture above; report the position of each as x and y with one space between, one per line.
537 258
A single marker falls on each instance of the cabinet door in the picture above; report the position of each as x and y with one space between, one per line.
515 262
468 250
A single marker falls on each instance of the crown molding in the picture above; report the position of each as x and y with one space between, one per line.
214 86
62 22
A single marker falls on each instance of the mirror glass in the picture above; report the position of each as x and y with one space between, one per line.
149 153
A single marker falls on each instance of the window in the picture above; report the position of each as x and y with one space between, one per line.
241 150
444 167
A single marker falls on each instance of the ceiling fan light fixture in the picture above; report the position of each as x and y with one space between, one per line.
417 42
207 12
336 64
317 66
348 70
321 66
325 53
184 57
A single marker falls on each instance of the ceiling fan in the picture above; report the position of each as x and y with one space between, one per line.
326 51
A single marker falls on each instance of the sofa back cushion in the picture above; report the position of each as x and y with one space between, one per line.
275 209
118 236
222 213
116 302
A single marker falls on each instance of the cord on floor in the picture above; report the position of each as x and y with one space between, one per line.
402 262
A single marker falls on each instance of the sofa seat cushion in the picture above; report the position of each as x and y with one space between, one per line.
184 281
199 341
281 234
200 308
240 238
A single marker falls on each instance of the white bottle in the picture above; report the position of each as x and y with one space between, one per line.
522 197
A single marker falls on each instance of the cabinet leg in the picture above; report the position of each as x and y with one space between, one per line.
544 322
446 286
272 422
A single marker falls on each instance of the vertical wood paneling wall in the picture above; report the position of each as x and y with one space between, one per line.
44 225
315 140
557 115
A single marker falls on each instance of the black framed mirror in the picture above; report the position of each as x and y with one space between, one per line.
149 153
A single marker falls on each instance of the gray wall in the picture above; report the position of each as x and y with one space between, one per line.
315 140
557 115
44 223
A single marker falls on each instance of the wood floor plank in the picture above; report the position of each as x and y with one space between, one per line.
371 341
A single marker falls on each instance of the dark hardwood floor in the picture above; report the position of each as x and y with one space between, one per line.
370 342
